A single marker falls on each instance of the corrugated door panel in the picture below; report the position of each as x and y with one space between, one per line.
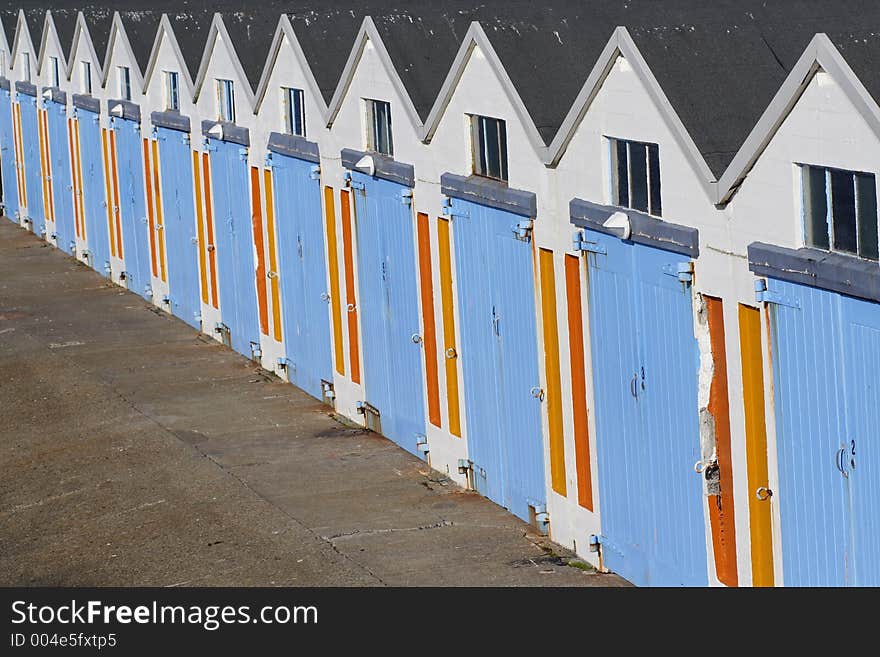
553 392
578 382
430 333
760 517
110 203
151 216
721 510
333 266
210 247
7 152
60 169
350 291
134 230
813 496
94 191
29 128
669 404
273 259
449 351
200 225
257 227
861 347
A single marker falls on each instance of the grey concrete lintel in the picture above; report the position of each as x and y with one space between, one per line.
492 193
56 95
836 272
231 132
645 229
130 111
4 84
294 146
26 88
170 120
383 166
88 103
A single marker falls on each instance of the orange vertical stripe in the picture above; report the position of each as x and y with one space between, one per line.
79 192
760 517
721 511
333 266
74 180
108 192
429 339
350 296
49 173
257 225
157 190
553 391
446 303
148 189
43 175
273 258
209 223
200 225
117 203
578 382
19 150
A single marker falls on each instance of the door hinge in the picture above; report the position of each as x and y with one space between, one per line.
406 196
579 242
267 160
315 172
768 296
353 184
422 443
243 153
523 230
449 212
185 138
683 271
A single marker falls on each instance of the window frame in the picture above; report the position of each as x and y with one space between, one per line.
123 76
480 148
652 170
830 242
56 71
293 106
26 65
225 100
172 91
86 68
373 138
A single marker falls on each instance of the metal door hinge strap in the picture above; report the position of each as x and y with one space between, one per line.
580 243
769 296
353 184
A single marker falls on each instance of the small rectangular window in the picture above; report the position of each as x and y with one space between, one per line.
379 137
124 82
86 77
840 211
26 66
294 111
635 172
225 101
55 71
489 147
172 91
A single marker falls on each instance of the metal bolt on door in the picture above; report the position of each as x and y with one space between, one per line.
179 224
499 356
645 369
234 243
94 191
388 305
62 186
33 177
302 273
133 210
7 157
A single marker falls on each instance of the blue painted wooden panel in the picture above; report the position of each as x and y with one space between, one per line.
33 176
62 188
499 356
94 192
389 310
179 217
302 273
133 207
861 363
813 495
7 157
234 242
645 369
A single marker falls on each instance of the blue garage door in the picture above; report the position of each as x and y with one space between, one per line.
133 206
645 371
94 191
303 272
826 355
31 149
7 157
179 221
499 356
59 156
235 244
389 311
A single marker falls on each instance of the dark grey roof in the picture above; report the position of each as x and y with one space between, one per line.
141 27
8 20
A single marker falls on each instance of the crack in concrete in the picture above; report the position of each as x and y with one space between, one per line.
387 530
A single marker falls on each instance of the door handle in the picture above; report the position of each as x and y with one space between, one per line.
634 386
841 454
416 338
763 494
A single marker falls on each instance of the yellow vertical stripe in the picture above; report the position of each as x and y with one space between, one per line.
44 177
108 192
333 265
19 156
273 260
117 203
80 201
760 520
51 177
200 225
450 356
157 192
553 392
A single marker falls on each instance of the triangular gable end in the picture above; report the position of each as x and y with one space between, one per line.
285 29
117 32
165 31
4 47
50 35
217 33
81 35
22 43
820 54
